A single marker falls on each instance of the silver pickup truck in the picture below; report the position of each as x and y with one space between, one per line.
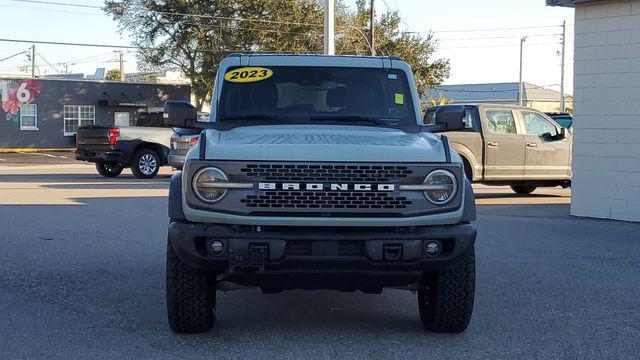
509 145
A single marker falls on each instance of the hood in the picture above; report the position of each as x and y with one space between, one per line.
323 143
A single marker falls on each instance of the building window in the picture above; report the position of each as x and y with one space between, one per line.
78 115
29 117
121 119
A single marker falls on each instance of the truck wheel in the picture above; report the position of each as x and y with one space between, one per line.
145 164
523 189
191 296
446 302
109 169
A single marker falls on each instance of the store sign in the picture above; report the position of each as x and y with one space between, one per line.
15 93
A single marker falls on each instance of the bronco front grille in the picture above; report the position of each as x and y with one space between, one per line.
326 200
326 172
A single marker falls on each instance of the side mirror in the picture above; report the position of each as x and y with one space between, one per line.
563 133
548 137
450 118
180 114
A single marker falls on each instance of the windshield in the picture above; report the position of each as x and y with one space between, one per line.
316 94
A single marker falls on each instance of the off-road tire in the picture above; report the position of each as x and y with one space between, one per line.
523 189
139 170
446 302
191 296
108 169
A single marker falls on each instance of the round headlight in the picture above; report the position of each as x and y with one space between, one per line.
444 187
204 184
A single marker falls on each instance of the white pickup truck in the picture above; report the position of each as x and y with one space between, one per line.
143 147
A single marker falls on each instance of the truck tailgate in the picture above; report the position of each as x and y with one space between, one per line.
93 137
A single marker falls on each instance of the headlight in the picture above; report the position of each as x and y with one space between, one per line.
444 187
204 184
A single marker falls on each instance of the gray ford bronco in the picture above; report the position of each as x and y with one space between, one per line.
314 172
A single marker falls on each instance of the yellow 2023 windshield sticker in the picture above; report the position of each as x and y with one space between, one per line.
248 74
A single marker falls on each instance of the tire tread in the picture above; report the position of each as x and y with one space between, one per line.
446 304
190 296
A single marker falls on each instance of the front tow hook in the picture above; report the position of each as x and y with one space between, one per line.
392 252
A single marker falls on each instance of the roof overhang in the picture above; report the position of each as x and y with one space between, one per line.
568 3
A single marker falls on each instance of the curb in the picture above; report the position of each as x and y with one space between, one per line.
32 150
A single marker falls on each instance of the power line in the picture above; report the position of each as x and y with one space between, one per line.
398 10
498 37
496 46
48 63
175 13
70 43
490 30
14 55
58 4
89 58
120 46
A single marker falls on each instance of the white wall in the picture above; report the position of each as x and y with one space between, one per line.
606 153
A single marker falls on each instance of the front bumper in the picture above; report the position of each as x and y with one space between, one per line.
279 258
101 156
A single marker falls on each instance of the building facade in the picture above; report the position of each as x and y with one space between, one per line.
606 150
45 113
534 96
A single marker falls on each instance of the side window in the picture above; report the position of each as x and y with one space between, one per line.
501 122
468 119
430 118
536 124
150 120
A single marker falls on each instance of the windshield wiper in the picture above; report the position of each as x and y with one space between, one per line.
356 118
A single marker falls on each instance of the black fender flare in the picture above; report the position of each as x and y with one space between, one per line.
175 197
469 213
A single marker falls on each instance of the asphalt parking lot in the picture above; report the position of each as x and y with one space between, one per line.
82 276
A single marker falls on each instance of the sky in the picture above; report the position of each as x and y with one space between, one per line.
471 34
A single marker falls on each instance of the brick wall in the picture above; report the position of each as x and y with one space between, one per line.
606 152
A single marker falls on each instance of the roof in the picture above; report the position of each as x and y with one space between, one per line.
310 60
85 80
493 92
485 105
314 56
569 3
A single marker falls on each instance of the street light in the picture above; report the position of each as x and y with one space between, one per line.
520 85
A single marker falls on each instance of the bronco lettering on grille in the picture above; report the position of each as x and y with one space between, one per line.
322 187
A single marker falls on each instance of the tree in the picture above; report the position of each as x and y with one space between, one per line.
212 29
440 100
416 50
113 75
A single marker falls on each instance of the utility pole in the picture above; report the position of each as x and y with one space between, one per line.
372 27
33 61
520 84
563 106
122 77
329 27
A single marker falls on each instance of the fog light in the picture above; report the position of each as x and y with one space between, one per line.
216 247
433 248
